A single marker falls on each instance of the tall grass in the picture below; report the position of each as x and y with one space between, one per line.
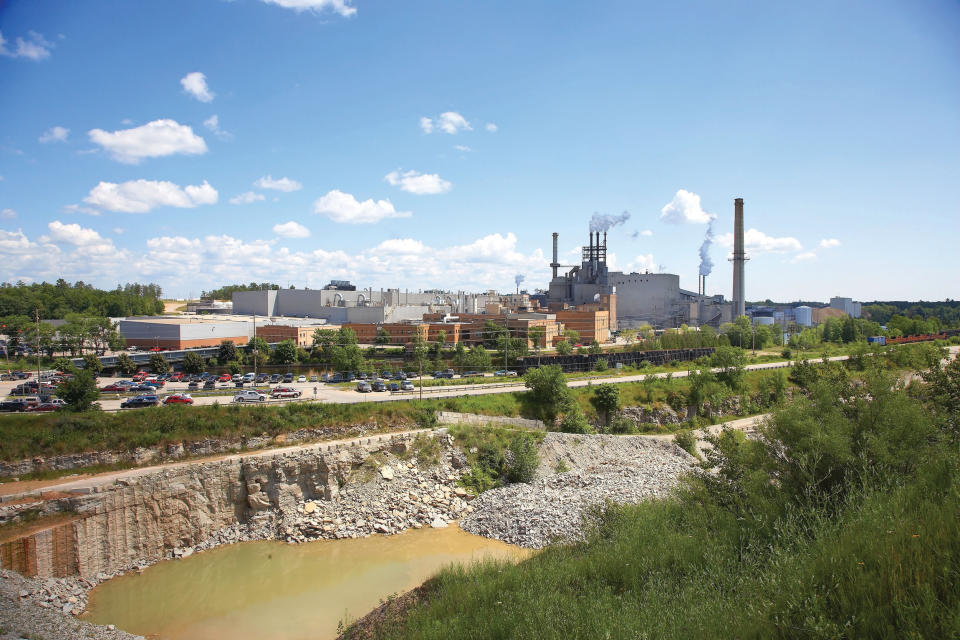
841 521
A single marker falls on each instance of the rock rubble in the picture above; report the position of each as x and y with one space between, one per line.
625 470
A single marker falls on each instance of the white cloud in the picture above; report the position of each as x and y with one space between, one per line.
462 147
449 122
343 207
73 234
34 48
291 230
400 246
759 242
418 183
492 128
119 230
829 243
152 140
805 256
247 197
141 196
646 232
7 214
685 207
341 7
195 84
283 184
213 124
643 263
55 134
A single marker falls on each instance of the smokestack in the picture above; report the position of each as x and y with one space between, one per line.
555 264
739 257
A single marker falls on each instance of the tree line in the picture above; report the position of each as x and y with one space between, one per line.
55 301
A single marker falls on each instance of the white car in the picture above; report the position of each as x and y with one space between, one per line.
250 396
302 379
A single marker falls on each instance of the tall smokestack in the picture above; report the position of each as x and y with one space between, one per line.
739 257
555 264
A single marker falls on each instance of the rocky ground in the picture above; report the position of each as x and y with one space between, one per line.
601 467
389 491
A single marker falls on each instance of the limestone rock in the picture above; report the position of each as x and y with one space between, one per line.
387 473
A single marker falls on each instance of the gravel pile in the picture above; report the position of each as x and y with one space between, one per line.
619 469
31 608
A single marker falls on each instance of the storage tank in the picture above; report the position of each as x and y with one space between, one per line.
803 315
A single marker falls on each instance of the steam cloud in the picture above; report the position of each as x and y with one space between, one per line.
519 278
706 264
604 222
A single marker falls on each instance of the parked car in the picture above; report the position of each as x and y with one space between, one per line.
285 392
236 378
314 379
51 405
302 379
140 401
194 384
154 383
262 377
399 375
14 406
442 374
275 378
114 388
209 384
393 386
471 374
406 385
239 383
288 377
363 386
177 377
250 396
379 385
226 377
505 372
178 398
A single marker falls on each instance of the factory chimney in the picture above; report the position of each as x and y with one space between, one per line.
739 257
554 264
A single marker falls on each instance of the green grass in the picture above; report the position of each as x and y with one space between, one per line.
846 528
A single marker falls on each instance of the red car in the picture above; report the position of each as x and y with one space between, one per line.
225 378
115 388
177 377
140 376
178 398
53 405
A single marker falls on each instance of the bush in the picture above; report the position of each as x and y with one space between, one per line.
688 442
600 365
621 425
575 422
523 460
786 353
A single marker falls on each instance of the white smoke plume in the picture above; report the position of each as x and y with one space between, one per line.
706 264
519 278
603 222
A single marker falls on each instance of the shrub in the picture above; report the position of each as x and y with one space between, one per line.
575 422
523 460
688 442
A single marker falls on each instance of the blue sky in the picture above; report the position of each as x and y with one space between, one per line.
438 144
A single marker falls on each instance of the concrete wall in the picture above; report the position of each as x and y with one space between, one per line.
646 297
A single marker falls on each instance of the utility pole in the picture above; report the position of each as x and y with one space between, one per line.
37 312
255 352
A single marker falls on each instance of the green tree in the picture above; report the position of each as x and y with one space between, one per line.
285 352
192 363
523 461
346 336
64 365
595 348
79 392
382 337
227 352
563 348
460 357
234 368
92 364
548 393
730 361
478 358
606 400
259 350
159 364
572 336
128 367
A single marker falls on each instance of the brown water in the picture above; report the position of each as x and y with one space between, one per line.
274 590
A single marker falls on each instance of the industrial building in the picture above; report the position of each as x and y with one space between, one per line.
847 305
653 298
365 306
183 332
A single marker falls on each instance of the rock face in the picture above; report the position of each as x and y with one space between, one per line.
617 468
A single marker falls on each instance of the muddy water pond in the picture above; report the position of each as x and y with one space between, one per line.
274 590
